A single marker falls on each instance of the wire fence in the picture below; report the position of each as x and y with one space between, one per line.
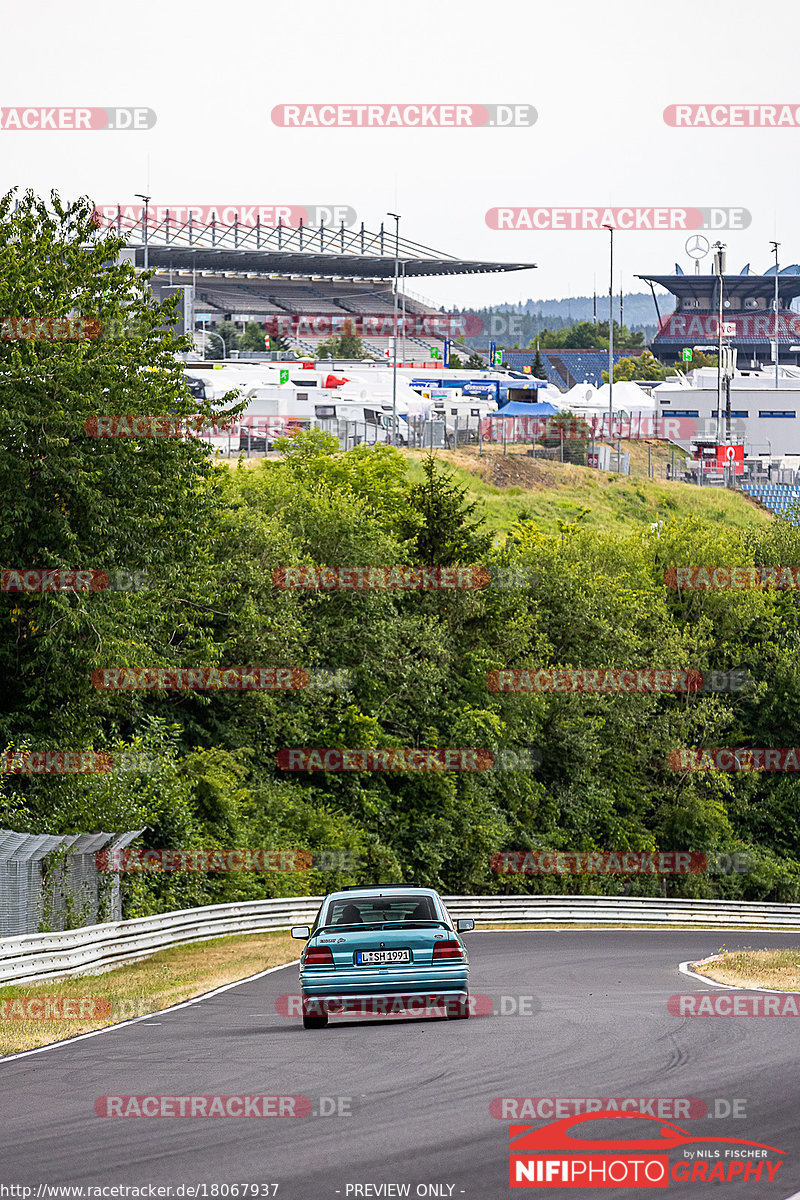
642 457
50 882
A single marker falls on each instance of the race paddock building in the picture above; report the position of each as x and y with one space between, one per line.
302 284
748 315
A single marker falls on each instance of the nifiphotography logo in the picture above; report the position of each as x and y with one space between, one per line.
560 1155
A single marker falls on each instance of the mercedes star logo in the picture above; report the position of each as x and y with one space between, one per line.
697 246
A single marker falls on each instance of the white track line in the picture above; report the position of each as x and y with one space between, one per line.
79 1037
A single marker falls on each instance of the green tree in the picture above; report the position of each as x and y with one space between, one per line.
586 335
70 498
640 366
698 362
347 345
253 337
537 369
230 335
476 362
445 532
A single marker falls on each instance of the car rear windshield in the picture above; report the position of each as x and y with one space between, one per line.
372 910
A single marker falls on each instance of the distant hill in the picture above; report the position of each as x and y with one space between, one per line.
638 309
638 314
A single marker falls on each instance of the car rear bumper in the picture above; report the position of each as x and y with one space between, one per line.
386 1003
393 982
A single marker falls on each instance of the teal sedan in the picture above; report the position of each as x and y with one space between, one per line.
384 950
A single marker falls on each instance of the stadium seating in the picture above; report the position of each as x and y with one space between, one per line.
568 367
779 498
226 296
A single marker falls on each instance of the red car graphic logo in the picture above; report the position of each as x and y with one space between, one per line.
552 1157
556 1136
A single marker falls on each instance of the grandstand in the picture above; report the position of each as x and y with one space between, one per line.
779 498
565 368
257 273
241 303
747 303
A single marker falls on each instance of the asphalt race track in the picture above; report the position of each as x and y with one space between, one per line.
421 1088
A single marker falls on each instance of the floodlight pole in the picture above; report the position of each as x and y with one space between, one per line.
610 229
146 199
775 246
396 217
403 343
720 263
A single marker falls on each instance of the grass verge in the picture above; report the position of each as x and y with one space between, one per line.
515 487
133 989
779 969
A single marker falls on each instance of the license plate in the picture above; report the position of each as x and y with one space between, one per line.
373 958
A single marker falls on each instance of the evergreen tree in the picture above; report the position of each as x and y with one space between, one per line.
444 531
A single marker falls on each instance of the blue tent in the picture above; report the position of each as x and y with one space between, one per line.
519 408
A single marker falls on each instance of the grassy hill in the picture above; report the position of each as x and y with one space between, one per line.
515 487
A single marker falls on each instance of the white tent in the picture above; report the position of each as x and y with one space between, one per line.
582 394
626 395
552 395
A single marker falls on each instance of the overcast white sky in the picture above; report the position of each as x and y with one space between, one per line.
599 75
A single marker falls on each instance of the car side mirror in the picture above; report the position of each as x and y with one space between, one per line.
465 924
301 931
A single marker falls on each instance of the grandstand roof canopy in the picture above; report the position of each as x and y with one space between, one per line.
347 266
735 287
322 251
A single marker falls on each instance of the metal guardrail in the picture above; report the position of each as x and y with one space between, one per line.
95 948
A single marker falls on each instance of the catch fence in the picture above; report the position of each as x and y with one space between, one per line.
50 882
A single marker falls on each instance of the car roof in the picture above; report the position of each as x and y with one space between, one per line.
380 889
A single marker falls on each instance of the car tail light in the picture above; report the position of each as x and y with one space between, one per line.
318 956
447 950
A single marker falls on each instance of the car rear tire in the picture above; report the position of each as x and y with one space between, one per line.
457 1010
314 1020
